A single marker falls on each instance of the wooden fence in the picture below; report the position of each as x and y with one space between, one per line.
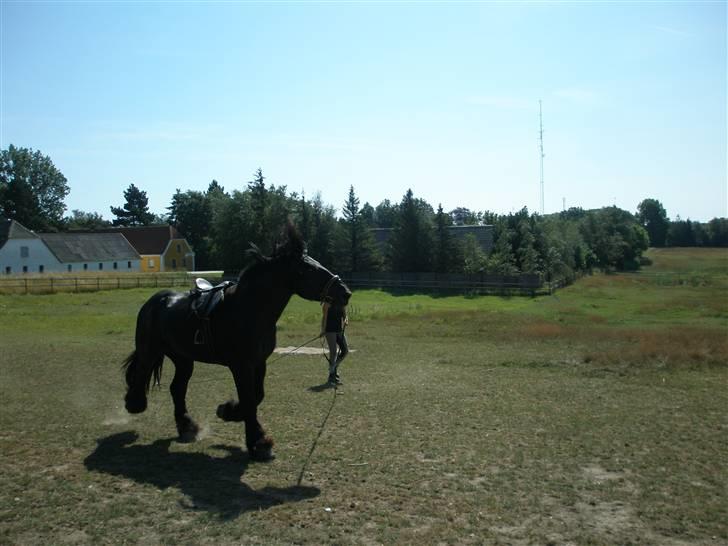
90 283
451 282
527 285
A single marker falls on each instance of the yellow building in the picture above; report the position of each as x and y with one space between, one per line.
162 248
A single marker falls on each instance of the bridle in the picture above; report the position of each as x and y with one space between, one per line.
325 292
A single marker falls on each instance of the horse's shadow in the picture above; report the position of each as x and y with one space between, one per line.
211 483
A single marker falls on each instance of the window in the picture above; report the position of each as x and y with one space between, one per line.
150 263
128 265
8 270
174 263
70 268
101 266
25 269
24 252
40 269
85 267
116 265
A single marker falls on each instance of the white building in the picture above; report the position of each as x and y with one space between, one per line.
23 251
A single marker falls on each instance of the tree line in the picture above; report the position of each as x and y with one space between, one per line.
220 224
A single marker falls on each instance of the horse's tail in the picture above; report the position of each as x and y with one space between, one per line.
131 367
139 379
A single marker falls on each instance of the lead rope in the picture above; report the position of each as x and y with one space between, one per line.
287 353
316 441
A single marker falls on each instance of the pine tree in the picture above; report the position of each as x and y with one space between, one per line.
355 244
447 257
410 247
135 212
258 205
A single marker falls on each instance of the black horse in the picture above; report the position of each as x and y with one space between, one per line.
241 336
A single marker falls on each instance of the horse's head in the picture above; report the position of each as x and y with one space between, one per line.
311 280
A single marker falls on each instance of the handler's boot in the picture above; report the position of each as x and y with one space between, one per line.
334 378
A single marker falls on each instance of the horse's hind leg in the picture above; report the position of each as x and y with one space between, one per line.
186 426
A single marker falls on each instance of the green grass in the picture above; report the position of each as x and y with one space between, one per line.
596 416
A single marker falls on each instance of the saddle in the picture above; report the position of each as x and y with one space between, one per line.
205 298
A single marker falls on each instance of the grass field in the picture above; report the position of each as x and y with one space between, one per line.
598 415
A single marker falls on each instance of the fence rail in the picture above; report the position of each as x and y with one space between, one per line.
52 285
528 285
531 285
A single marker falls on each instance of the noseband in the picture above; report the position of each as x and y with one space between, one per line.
325 292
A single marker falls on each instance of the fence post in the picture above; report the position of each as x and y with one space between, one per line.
98 284
52 292
76 283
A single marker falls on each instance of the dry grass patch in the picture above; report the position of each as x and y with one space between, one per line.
683 346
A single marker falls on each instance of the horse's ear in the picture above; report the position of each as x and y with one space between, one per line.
253 254
294 241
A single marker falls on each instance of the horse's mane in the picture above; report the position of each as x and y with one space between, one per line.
291 244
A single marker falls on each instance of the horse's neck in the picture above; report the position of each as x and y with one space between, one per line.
266 299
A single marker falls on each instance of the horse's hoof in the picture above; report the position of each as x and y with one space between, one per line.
229 411
188 431
187 437
262 451
135 405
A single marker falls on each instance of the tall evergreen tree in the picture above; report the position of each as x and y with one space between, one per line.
258 205
355 248
323 221
385 214
447 256
367 215
135 211
190 212
502 260
410 246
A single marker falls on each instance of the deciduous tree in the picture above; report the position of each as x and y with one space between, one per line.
32 189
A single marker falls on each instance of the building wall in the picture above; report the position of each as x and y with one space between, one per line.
151 263
38 255
122 266
179 256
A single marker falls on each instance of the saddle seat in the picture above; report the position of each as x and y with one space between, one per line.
206 297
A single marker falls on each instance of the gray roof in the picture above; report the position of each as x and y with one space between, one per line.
10 229
483 234
89 247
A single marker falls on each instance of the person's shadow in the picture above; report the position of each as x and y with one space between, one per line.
211 483
322 387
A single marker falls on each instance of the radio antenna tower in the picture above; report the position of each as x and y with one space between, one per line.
540 146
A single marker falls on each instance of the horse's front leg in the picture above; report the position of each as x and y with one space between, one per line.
248 379
186 426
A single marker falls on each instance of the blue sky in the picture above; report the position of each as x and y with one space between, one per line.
438 97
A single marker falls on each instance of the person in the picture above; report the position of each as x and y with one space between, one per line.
333 326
